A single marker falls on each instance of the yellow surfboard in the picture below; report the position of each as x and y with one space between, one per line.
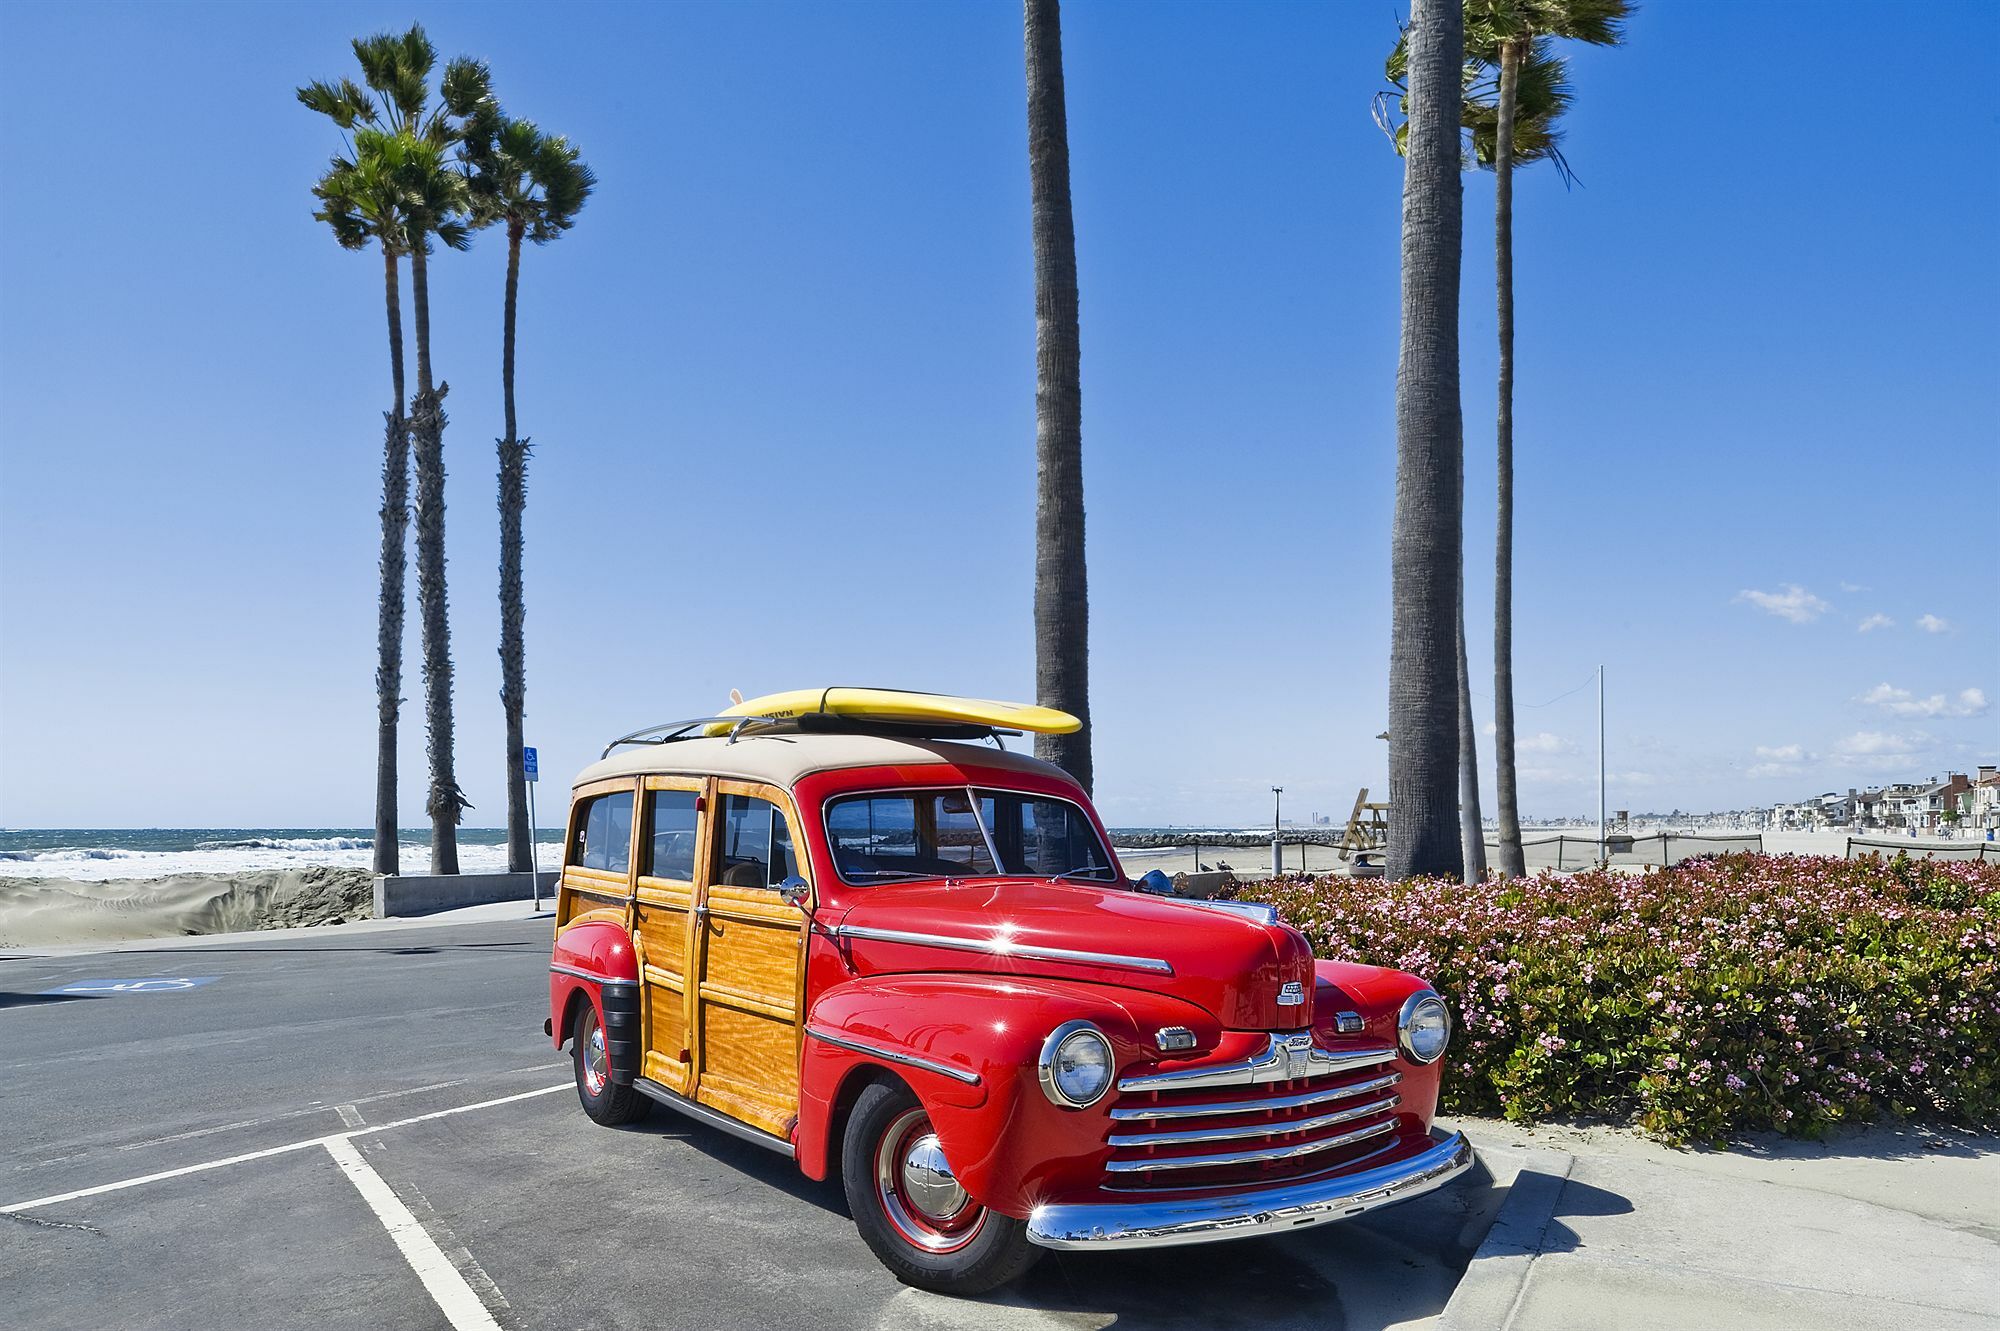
901 705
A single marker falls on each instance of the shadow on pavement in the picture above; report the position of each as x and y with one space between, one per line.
1577 1199
8 1000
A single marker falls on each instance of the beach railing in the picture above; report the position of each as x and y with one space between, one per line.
1660 849
1976 851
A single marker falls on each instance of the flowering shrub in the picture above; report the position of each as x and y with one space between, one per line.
1717 997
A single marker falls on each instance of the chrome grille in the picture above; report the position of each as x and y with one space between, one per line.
1292 1111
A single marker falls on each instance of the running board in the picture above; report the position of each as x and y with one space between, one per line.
701 1113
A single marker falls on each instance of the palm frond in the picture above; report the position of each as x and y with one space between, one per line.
341 102
467 85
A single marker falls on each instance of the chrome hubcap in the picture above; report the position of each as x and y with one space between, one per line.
596 1061
920 1196
928 1184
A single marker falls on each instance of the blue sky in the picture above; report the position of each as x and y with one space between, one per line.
780 384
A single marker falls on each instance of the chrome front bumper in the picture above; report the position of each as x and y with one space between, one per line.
1163 1223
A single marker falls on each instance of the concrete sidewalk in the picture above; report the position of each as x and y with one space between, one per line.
497 912
1887 1228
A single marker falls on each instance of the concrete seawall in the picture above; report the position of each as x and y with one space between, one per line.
425 894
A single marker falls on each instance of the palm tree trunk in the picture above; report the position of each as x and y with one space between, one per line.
1513 862
1426 543
389 608
513 499
1062 598
1471 826
444 802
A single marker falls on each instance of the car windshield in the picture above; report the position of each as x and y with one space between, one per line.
958 832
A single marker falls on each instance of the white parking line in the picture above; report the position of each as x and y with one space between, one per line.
102 1188
447 1287
350 1116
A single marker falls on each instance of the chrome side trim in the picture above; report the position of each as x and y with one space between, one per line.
1188 1136
1249 910
1256 1157
1160 1224
701 1113
605 980
908 1060
1002 947
1303 1098
1286 1058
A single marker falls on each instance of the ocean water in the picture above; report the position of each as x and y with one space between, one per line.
95 854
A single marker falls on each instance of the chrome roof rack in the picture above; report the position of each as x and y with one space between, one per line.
814 721
673 730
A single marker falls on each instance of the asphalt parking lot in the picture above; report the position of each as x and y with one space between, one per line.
346 1129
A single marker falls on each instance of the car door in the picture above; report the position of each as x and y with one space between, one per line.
749 948
597 856
673 852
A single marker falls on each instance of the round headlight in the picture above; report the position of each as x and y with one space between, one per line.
1424 1027
1075 1065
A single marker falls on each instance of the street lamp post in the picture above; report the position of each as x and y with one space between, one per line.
1277 821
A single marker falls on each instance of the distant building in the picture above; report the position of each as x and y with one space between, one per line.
1979 803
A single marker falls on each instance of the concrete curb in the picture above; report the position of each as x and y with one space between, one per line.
404 895
1486 1296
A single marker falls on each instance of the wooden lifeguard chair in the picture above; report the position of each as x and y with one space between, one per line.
1366 842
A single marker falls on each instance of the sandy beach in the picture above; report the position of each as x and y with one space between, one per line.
44 912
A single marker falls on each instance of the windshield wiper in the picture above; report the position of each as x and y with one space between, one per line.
1081 868
852 874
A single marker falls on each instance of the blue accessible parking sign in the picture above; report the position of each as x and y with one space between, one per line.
528 763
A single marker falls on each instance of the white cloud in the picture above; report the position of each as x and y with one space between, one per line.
1876 621
1543 742
1780 760
1851 587
1901 702
1794 603
1932 624
1775 769
1875 743
1630 779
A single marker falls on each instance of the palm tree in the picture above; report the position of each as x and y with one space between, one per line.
1426 540
1505 34
1543 96
436 195
1062 594
534 184
360 199
1471 827
411 143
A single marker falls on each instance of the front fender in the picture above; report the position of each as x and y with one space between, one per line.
968 1045
593 963
1377 993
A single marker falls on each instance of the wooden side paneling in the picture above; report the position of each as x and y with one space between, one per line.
580 889
748 955
749 1066
664 911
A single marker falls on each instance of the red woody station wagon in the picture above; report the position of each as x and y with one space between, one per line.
850 926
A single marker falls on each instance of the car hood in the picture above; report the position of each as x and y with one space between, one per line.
1239 968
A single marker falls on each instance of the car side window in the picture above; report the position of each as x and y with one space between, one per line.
670 853
756 843
604 834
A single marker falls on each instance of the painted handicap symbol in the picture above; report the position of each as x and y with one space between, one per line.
151 984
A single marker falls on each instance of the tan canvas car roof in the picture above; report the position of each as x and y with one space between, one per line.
781 757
